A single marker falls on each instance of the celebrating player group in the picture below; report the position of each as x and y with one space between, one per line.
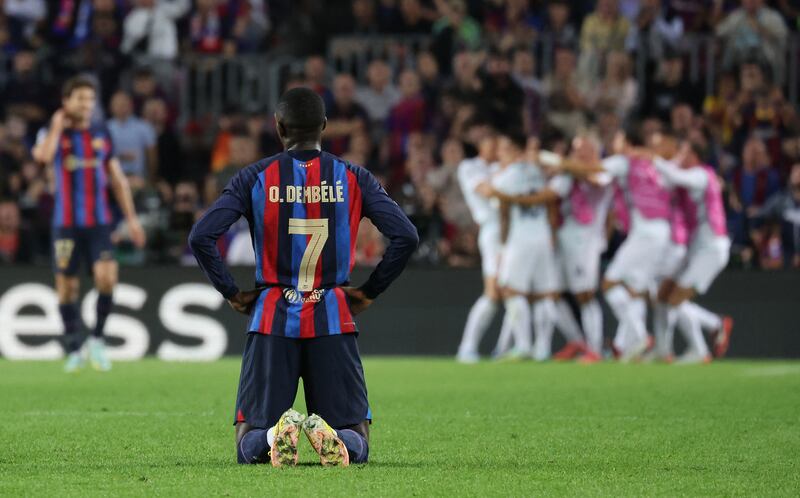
544 220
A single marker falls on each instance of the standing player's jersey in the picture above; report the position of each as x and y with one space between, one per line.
80 170
304 210
524 222
647 197
583 203
471 173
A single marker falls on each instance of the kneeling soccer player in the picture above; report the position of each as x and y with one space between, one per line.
304 207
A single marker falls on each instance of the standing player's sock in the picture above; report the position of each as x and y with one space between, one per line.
637 316
104 303
618 299
708 320
479 319
566 323
518 316
504 340
254 446
690 326
71 319
544 318
356 444
592 321
660 312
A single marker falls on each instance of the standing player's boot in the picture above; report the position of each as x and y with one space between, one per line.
285 435
722 339
570 351
74 362
326 442
97 355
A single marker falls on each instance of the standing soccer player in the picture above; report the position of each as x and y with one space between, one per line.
474 178
699 196
82 159
528 265
303 207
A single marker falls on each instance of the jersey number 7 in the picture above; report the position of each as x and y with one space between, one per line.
317 228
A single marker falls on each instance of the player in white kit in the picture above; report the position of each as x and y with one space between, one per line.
475 178
528 270
635 265
581 241
698 195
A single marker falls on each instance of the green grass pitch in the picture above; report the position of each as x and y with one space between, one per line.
441 429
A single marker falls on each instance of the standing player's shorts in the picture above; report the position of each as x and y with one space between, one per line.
673 261
708 256
490 246
530 266
638 259
330 366
75 246
580 249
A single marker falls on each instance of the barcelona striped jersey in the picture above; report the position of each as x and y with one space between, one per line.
304 209
81 177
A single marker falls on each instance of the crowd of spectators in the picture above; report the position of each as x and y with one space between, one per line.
409 123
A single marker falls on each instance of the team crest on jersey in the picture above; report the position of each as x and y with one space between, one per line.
98 143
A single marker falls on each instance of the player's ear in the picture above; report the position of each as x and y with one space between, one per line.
279 128
324 123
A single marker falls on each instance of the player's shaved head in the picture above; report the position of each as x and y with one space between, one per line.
300 115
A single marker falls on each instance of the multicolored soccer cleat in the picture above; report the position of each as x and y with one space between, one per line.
570 350
98 356
722 340
287 432
75 362
326 442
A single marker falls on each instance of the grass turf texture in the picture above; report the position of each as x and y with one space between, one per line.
154 428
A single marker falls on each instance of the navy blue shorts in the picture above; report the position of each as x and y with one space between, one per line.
330 366
75 246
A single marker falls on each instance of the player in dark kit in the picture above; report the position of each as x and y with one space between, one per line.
304 207
84 167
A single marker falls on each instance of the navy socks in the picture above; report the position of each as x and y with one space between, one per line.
356 444
104 302
71 319
253 447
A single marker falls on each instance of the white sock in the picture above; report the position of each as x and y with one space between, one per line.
592 321
621 339
566 323
708 320
690 326
505 338
618 299
669 336
271 436
544 319
660 312
637 316
478 320
517 321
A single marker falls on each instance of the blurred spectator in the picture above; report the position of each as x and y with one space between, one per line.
524 74
670 87
753 30
25 93
14 242
183 213
134 142
559 27
750 187
444 182
345 116
779 221
144 87
409 115
656 30
243 151
455 30
168 145
563 97
316 78
379 95
150 27
603 30
370 244
414 18
501 98
209 30
24 15
617 89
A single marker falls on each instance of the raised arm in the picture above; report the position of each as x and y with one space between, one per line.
392 222
122 192
691 178
44 151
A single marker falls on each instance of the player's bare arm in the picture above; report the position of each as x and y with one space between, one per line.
45 151
122 191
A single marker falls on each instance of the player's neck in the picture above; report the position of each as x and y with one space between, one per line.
81 125
303 145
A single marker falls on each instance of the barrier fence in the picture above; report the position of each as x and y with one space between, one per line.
172 313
